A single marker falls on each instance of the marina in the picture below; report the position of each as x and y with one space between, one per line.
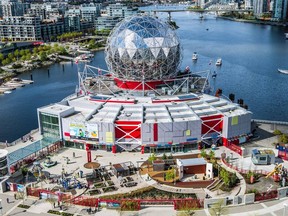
9 86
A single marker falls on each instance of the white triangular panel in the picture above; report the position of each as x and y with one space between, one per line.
131 52
155 51
166 51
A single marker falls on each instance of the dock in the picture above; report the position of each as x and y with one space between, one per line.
13 84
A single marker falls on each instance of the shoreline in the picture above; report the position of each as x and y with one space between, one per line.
8 73
259 22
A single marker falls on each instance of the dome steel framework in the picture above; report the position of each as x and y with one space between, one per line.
143 47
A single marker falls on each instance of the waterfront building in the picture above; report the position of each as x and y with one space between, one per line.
90 12
120 10
279 10
106 22
52 28
261 7
142 104
248 4
4 171
20 28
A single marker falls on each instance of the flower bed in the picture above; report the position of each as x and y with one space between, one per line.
59 213
109 189
94 192
100 185
129 205
110 183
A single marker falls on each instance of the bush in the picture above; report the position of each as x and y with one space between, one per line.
23 206
129 205
277 132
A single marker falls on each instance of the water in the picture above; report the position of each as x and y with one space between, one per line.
251 55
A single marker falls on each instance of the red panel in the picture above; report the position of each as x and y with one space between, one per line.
225 141
155 127
131 84
211 121
125 127
114 149
67 134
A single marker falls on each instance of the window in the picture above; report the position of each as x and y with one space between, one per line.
262 158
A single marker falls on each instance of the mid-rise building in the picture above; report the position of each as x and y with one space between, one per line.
106 22
90 12
14 8
260 7
120 10
279 10
20 28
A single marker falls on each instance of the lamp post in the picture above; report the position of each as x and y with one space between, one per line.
284 211
1 207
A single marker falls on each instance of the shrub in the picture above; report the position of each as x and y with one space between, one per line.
23 206
277 132
129 205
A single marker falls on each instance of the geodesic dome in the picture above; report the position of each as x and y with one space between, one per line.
143 46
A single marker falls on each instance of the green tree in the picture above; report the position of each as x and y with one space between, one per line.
170 174
164 157
1 57
22 52
10 56
42 56
16 53
203 153
224 174
211 155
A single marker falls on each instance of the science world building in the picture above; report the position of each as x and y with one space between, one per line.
144 102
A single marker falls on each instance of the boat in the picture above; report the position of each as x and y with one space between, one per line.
7 92
214 75
283 71
194 56
201 16
286 35
219 62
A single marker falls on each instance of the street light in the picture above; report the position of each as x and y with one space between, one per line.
0 206
284 211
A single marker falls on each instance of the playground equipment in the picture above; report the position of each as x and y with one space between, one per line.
49 163
37 169
275 173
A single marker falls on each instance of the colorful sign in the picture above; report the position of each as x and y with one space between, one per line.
84 131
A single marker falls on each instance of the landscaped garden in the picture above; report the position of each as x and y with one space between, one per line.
148 193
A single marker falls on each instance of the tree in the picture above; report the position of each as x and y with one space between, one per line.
224 174
16 53
203 153
152 158
170 174
164 157
1 57
10 56
22 52
43 56
211 155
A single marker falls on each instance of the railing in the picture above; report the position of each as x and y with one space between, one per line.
270 122
25 137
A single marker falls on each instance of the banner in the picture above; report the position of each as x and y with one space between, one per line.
84 131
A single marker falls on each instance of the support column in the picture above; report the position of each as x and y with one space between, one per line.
89 157
114 149
142 149
225 141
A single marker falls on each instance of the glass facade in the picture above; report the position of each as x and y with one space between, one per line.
50 125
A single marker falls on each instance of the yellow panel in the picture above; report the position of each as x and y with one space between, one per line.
188 132
234 120
109 137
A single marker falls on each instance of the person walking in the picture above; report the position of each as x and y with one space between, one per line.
7 200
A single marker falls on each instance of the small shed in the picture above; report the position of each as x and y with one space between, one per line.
263 157
194 166
158 165
121 170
